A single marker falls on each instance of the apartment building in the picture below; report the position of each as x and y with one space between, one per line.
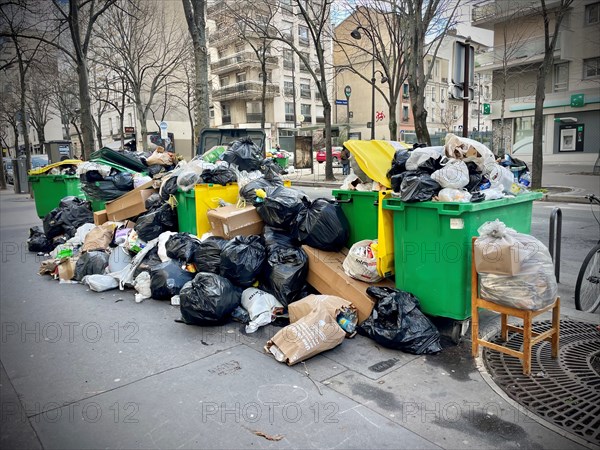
572 104
293 104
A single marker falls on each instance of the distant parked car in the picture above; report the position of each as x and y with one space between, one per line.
38 161
8 170
335 154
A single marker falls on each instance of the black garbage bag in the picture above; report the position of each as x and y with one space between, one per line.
271 170
155 169
70 201
475 177
239 314
281 206
322 225
90 263
219 175
59 240
182 246
38 242
169 188
52 224
209 299
396 179
151 224
398 323
123 181
432 164
74 214
398 163
248 191
207 256
154 202
91 175
418 187
150 260
242 260
167 279
101 190
285 273
244 154
278 237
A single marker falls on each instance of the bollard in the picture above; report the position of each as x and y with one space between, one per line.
555 224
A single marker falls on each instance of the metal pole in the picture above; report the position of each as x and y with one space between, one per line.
478 103
466 90
555 222
373 93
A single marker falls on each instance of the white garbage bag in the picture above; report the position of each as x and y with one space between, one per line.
455 175
261 307
100 283
361 261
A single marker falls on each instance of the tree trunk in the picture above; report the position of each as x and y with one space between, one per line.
2 176
143 129
263 97
87 126
502 147
99 129
16 133
24 119
420 117
328 163
537 163
41 136
80 138
393 121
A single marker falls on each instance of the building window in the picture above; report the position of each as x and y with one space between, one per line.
253 112
320 114
240 77
269 76
523 128
239 48
305 89
303 67
224 81
442 95
287 29
303 35
405 91
305 111
226 113
561 77
433 93
288 87
286 7
211 112
405 113
591 68
130 119
110 125
436 68
455 112
289 112
288 59
592 13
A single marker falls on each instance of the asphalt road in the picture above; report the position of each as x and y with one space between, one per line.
580 232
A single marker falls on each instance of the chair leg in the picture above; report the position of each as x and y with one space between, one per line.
474 329
556 327
503 328
527 344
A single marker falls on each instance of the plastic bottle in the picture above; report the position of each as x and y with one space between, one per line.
525 179
347 320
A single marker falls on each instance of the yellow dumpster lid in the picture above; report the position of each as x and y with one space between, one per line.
66 162
373 157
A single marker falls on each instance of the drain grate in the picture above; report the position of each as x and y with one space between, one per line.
564 391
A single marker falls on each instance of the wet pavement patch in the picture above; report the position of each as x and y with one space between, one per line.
456 360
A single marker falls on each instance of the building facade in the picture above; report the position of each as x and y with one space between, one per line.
572 104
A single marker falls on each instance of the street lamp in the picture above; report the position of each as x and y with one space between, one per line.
356 35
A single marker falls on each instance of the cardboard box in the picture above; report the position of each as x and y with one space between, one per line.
131 204
231 221
326 275
100 217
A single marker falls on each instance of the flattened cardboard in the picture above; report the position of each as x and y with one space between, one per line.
131 204
303 307
312 334
100 217
66 269
326 274
231 221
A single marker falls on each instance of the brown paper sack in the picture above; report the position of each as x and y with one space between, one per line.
66 268
47 266
99 238
303 307
314 333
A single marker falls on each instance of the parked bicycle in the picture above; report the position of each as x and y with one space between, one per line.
587 288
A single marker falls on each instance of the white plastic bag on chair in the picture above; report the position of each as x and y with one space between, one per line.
361 262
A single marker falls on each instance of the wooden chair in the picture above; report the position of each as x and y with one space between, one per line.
530 338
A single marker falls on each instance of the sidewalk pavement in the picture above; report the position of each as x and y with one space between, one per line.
81 369
568 183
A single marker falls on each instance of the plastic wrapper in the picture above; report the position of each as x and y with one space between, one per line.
248 189
168 187
188 179
493 193
167 279
71 213
501 177
286 268
90 263
182 246
361 262
118 259
322 225
209 299
452 195
142 285
397 322
155 169
150 259
100 283
88 166
421 156
281 206
123 181
469 150
101 190
455 174
418 187
38 242
207 256
242 260
261 307
244 154
240 314
399 162
159 156
219 175
151 224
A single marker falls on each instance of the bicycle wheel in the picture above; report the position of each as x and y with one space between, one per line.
587 288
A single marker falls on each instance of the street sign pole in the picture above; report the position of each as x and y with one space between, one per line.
348 91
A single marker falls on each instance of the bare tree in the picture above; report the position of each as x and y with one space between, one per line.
9 113
550 37
185 95
423 18
195 15
65 98
38 97
137 43
387 31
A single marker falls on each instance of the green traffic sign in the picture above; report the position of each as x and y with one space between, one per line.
487 108
577 100
348 91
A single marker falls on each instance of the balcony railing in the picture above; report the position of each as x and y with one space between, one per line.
253 117
246 90
226 119
289 117
307 119
521 53
288 64
305 93
497 10
239 60
320 119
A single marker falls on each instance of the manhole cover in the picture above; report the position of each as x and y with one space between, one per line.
564 391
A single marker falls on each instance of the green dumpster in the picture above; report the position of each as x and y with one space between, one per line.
49 190
282 162
432 247
360 208
186 211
